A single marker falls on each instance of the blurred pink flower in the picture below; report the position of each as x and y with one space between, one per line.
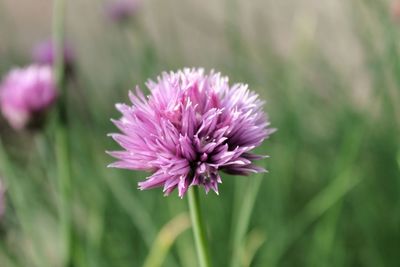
25 95
189 128
122 10
395 9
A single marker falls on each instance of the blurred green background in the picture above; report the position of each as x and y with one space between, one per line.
330 72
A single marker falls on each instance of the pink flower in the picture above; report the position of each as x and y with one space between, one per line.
26 94
192 126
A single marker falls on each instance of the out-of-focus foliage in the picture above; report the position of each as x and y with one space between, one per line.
330 72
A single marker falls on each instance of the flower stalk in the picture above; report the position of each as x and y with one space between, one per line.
199 231
62 142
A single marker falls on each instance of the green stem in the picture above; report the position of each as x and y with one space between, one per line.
58 42
62 142
64 188
198 228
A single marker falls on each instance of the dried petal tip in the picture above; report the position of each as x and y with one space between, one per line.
26 95
192 126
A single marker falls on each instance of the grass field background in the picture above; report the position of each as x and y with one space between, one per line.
330 72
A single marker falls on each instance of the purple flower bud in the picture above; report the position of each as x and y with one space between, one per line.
122 10
43 54
26 94
192 126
